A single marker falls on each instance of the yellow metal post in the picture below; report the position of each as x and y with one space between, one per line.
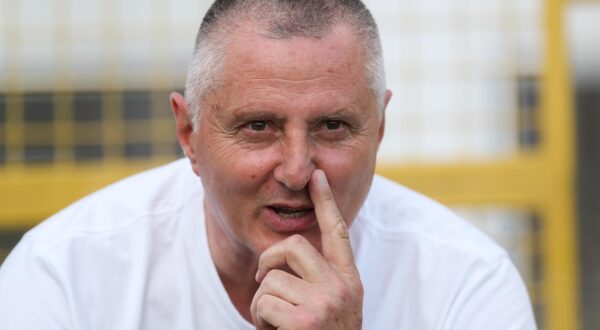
558 211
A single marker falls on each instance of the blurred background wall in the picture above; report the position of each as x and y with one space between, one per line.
483 118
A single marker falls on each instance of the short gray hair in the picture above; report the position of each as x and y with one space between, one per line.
284 19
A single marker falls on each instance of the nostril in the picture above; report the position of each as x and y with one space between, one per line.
293 178
296 166
294 182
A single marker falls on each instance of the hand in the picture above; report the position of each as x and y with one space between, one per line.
327 292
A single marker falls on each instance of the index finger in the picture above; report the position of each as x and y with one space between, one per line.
335 238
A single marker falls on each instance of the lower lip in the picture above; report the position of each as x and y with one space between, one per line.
278 223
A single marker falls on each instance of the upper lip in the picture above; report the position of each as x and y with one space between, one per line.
291 206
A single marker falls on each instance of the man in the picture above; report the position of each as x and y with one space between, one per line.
287 227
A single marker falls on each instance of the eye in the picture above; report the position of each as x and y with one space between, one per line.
258 130
333 124
258 125
334 130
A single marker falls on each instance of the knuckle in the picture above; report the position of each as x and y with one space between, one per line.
271 281
265 259
272 276
262 304
344 293
358 288
341 228
296 240
264 256
350 291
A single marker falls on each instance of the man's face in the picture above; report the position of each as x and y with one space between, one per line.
283 109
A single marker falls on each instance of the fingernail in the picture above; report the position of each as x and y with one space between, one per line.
258 275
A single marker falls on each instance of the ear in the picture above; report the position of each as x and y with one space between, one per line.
185 128
388 97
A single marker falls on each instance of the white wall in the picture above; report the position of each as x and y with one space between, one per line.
583 31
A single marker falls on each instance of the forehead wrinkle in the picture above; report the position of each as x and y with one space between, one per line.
276 94
302 71
267 81
293 88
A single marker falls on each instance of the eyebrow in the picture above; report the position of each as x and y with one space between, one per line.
245 114
343 114
249 114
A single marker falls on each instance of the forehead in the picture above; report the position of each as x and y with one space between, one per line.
301 65
339 46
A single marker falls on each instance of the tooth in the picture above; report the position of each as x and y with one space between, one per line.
286 213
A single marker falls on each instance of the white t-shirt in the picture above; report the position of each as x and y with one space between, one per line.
135 256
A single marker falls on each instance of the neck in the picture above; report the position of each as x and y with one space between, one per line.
235 264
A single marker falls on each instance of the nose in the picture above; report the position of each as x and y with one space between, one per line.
296 162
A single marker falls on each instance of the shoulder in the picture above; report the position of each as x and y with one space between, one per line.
435 268
119 206
104 245
395 213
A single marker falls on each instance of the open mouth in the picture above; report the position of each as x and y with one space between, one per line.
291 213
287 217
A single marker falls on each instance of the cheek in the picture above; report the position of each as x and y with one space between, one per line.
348 162
236 170
349 173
